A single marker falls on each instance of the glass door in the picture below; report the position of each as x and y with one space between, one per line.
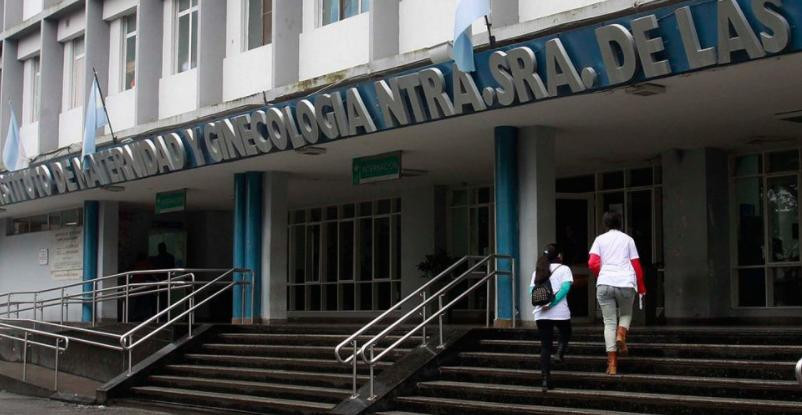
574 233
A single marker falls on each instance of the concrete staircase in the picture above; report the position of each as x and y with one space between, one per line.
261 369
669 371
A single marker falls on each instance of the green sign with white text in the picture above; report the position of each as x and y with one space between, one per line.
175 201
377 168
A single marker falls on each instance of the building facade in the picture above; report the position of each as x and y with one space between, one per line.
331 146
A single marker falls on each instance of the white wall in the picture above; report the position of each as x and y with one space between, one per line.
21 271
70 126
530 9
178 93
71 26
29 46
334 47
30 8
247 73
29 134
121 108
419 30
113 9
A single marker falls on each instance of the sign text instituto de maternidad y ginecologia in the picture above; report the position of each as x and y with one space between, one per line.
681 38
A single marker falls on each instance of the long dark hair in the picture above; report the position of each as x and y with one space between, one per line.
551 254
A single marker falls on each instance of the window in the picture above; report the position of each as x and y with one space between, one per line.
77 74
128 56
336 10
345 258
36 87
186 48
766 213
259 18
471 231
46 222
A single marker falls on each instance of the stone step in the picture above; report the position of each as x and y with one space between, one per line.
639 336
399 413
291 363
469 407
312 378
226 401
603 399
305 339
743 351
265 389
681 385
280 350
778 370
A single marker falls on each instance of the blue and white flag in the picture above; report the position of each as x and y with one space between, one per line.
467 13
14 157
95 118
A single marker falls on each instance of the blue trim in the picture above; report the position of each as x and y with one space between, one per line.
253 241
239 239
91 214
506 188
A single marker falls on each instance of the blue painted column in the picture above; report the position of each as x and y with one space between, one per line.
239 240
506 189
90 230
253 242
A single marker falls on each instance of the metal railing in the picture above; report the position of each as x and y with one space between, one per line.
178 279
487 267
798 371
26 343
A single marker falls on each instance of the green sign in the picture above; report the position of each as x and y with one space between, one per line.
175 201
377 168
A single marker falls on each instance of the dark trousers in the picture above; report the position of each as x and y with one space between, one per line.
546 330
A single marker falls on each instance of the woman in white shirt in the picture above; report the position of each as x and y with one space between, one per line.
614 259
556 314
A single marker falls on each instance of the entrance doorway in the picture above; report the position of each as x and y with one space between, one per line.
574 233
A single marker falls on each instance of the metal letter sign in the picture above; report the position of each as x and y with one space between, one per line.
678 38
377 168
175 201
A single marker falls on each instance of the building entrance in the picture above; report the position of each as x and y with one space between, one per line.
574 232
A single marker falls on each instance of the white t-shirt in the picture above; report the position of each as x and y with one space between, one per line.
616 250
559 274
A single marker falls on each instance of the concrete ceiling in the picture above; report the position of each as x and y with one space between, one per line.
732 107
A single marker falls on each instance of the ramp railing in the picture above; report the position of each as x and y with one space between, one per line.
183 309
488 269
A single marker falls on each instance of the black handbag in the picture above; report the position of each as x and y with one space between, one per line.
542 294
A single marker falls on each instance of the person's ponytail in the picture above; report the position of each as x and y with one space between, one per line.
551 254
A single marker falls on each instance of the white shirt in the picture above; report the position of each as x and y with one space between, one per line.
616 250
560 274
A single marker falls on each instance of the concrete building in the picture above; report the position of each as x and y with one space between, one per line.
266 115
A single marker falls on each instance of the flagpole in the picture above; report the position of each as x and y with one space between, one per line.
103 101
490 33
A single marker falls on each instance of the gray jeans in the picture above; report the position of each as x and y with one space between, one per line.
616 307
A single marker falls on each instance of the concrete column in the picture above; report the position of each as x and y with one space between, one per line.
148 60
97 48
239 242
12 15
274 248
287 25
10 86
536 206
253 242
90 262
506 188
696 229
108 233
52 74
211 51
383 25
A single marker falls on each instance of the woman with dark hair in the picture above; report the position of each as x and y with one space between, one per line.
614 260
555 314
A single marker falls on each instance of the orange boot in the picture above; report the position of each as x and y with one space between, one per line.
621 340
612 363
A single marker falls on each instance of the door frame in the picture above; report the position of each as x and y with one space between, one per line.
590 198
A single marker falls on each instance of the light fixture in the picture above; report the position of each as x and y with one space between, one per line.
311 150
646 90
113 188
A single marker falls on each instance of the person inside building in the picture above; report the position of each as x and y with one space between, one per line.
614 260
550 268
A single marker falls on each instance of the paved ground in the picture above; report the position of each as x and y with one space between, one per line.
25 405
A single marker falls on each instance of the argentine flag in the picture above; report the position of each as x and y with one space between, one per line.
95 118
14 157
467 13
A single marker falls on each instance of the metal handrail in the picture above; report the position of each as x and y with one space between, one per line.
25 343
798 371
420 309
126 340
